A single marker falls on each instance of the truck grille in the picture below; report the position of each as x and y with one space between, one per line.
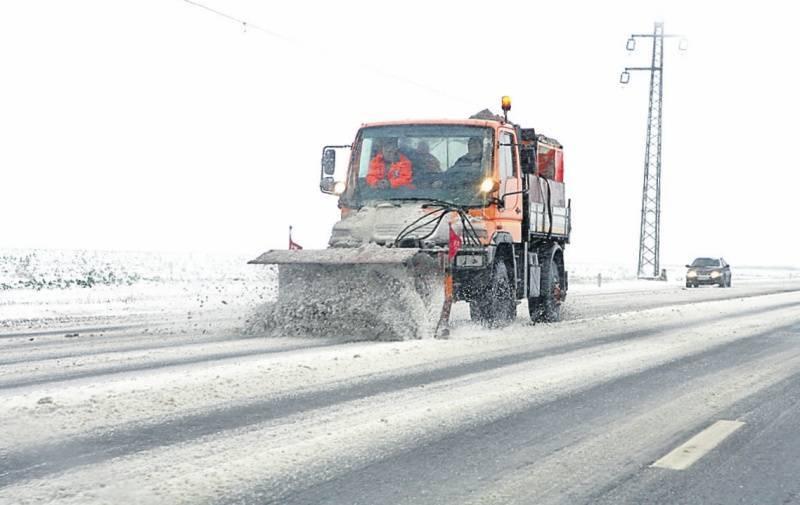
392 229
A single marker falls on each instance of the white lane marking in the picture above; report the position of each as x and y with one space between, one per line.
683 456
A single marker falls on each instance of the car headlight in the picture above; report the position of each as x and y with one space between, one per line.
715 274
691 273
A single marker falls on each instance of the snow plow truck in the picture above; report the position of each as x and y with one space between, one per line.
432 212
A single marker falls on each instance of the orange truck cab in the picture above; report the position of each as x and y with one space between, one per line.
495 185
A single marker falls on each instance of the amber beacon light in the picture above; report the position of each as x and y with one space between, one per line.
505 103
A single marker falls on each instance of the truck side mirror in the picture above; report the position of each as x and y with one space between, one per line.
328 170
328 162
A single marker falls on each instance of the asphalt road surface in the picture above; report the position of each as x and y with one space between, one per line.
644 394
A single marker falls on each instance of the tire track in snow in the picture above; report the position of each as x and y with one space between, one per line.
286 455
601 303
115 329
118 369
72 329
40 378
91 347
476 460
602 456
139 437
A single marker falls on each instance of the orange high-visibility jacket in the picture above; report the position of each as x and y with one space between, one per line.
398 174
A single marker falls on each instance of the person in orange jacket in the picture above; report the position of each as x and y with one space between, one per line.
389 168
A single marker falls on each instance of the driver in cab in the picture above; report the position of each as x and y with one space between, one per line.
389 168
468 168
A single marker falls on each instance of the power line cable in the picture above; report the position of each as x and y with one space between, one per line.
371 68
245 24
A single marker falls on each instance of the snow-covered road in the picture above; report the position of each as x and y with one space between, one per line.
163 397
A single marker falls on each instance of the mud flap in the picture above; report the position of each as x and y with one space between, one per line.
443 325
534 275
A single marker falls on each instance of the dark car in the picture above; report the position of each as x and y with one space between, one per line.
708 271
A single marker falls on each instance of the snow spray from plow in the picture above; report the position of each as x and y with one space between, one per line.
365 293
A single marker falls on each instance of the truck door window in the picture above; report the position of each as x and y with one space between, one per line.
368 151
506 155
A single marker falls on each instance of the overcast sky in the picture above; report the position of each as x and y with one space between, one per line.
158 125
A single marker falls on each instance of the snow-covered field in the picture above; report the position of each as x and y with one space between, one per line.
42 269
145 384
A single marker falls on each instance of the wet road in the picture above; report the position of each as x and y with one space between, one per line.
135 410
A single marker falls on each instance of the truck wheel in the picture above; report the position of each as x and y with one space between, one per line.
497 307
547 307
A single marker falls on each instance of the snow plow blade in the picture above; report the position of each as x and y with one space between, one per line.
365 293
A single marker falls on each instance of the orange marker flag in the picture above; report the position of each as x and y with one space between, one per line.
454 244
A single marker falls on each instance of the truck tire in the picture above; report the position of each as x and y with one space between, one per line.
546 308
497 307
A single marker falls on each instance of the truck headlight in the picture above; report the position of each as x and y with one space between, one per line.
691 273
469 260
489 185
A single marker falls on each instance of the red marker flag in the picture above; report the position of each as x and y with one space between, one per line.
454 244
293 246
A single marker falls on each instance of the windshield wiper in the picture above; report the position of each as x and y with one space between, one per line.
435 201
435 217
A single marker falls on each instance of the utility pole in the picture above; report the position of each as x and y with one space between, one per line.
650 229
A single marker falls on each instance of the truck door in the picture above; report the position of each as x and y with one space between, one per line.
508 171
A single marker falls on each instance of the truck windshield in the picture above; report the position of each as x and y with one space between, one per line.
442 162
